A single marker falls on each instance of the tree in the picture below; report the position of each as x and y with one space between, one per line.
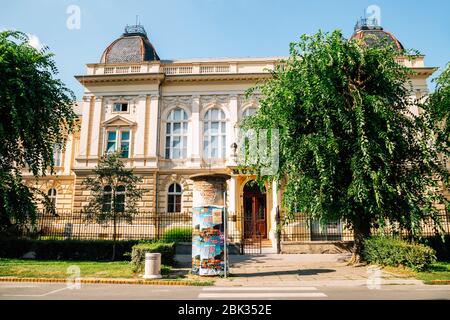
349 147
36 113
114 193
437 108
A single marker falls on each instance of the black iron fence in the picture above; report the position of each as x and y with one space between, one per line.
178 227
298 228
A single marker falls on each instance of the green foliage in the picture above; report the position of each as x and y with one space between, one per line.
95 250
438 110
121 200
167 251
349 147
440 244
178 234
36 113
387 251
111 172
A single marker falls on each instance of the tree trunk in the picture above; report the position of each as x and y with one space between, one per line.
361 231
114 239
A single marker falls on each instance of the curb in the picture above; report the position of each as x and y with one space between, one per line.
107 281
442 282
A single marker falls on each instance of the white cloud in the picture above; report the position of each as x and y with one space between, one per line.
34 41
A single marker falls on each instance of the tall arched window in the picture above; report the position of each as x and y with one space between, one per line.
120 199
214 134
52 196
107 198
174 198
176 134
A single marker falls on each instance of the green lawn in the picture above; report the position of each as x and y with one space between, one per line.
438 271
58 269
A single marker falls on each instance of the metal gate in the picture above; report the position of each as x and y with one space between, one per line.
251 241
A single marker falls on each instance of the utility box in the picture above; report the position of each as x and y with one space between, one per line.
152 265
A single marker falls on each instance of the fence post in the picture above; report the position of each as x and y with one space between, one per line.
278 229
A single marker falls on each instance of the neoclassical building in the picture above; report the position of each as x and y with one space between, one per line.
171 119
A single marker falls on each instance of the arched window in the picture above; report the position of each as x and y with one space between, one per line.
176 134
214 134
120 199
107 198
174 198
249 112
52 196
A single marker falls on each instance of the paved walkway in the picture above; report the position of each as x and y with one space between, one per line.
303 269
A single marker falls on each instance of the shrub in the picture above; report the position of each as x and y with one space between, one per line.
441 246
178 234
94 250
138 251
388 251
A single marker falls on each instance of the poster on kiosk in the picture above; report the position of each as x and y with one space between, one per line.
208 241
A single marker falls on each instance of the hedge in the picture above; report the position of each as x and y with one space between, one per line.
178 234
94 250
388 251
138 251
442 247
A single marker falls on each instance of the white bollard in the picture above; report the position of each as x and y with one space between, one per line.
152 266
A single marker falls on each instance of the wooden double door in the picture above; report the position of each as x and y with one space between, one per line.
255 214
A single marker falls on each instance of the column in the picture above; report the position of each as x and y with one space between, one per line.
233 197
97 113
273 222
231 136
139 138
207 224
195 141
86 105
154 130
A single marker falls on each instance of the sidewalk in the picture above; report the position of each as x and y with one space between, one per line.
302 270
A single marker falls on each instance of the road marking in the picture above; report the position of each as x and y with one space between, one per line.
259 289
17 286
35 295
263 295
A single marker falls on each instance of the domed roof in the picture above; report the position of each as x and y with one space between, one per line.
132 47
371 32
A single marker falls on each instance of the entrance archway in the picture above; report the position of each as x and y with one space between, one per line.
255 211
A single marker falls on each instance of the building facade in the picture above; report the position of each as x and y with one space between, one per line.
172 119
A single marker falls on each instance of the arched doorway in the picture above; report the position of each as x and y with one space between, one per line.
255 212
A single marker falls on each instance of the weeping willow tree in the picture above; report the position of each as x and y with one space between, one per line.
349 146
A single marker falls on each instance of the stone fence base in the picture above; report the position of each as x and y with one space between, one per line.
317 247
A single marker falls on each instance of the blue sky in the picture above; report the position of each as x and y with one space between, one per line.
218 28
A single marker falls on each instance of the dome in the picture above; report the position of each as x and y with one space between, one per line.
132 47
370 32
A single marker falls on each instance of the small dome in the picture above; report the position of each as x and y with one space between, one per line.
370 32
132 47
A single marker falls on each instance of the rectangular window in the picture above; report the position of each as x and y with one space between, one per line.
120 107
57 155
125 144
111 143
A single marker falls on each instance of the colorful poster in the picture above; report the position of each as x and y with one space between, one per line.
207 241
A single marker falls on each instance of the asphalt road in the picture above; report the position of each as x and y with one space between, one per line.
59 291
